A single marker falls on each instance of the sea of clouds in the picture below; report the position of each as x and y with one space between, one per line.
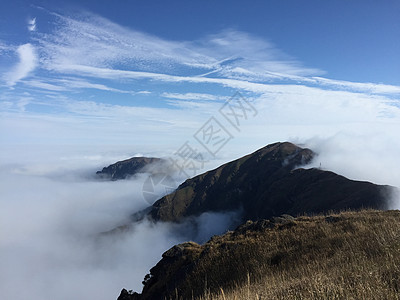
52 210
51 214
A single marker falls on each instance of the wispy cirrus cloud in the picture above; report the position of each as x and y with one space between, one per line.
32 24
97 42
97 47
193 96
90 52
242 55
3 47
293 83
73 84
27 63
369 87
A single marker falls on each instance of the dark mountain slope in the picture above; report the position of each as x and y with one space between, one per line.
265 184
353 255
126 168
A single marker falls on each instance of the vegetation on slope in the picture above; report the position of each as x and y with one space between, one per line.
266 183
351 255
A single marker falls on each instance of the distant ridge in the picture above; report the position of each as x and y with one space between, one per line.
126 168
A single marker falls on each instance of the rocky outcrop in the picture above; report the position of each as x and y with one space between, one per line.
128 295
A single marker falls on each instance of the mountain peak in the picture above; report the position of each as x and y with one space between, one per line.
267 183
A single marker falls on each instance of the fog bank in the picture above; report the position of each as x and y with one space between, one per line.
50 218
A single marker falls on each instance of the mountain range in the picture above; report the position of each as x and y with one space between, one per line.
262 186
267 183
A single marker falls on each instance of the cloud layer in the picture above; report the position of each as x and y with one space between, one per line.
92 46
50 219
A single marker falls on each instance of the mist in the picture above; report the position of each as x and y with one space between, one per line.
366 157
52 213
52 210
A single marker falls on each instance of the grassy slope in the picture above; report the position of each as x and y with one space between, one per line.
352 255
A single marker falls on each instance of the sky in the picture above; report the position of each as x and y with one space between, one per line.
101 73
85 67
84 84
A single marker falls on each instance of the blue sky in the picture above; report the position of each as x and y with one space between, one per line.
86 67
355 40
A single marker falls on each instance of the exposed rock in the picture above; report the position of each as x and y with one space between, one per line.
180 250
128 295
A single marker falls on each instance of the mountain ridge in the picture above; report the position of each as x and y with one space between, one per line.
264 184
128 167
267 183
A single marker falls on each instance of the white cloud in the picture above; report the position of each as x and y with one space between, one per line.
52 245
27 63
96 42
242 53
3 47
72 84
32 24
235 81
193 96
361 155
373 88
102 49
49 86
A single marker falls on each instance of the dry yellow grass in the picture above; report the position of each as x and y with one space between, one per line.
352 255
